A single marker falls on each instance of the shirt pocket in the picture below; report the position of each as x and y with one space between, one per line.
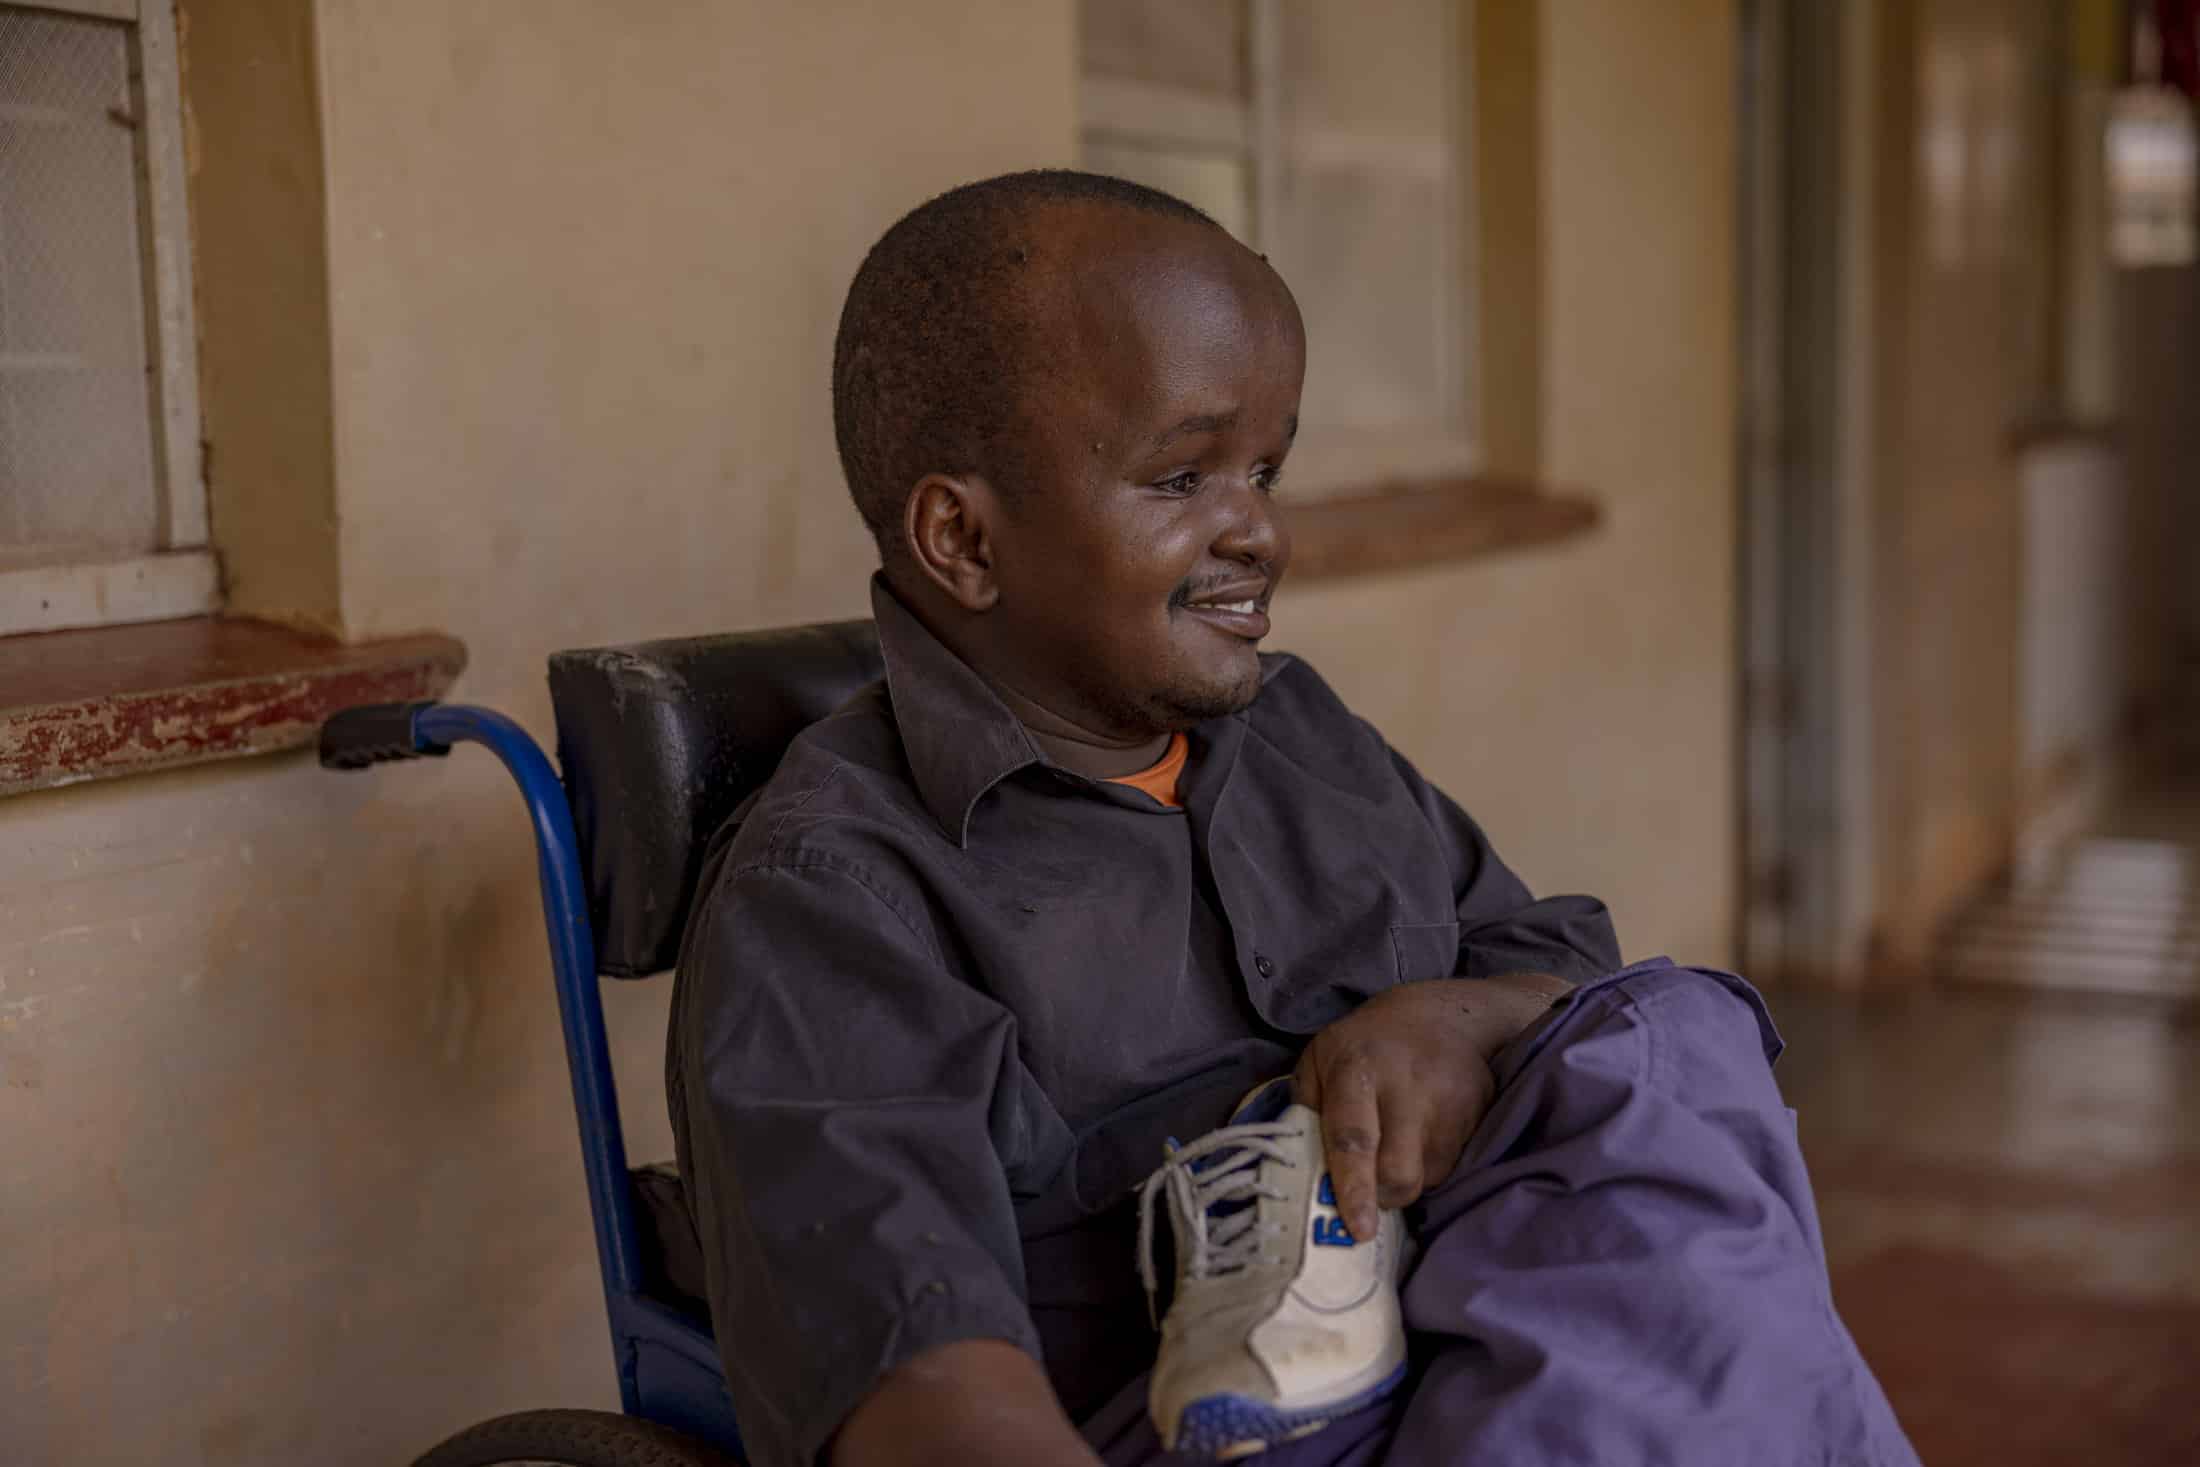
1425 950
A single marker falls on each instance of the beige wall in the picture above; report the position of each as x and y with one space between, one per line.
290 1172
586 278
1580 702
259 251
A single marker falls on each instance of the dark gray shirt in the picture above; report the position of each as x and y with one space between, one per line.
942 1002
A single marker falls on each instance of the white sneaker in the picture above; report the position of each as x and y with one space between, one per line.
1281 1322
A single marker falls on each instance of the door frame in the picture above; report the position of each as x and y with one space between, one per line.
1809 153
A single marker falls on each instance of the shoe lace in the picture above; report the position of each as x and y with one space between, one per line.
1213 1186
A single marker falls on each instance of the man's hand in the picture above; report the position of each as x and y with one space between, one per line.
1402 1081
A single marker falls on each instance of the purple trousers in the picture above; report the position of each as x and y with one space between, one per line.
1625 1267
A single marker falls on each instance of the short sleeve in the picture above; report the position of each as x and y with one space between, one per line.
1503 928
836 1097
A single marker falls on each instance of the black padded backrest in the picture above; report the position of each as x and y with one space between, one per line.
660 741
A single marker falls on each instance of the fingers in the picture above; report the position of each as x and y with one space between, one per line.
1424 1129
1400 1087
1352 1131
1450 1124
1400 1159
1389 1138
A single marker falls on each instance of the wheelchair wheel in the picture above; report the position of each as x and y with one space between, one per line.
573 1439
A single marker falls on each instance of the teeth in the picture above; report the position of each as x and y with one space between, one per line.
1238 606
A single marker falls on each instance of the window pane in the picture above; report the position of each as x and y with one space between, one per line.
1381 67
1362 248
76 451
1218 183
1369 216
1359 130
1192 45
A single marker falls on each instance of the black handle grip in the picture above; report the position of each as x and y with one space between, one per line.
374 734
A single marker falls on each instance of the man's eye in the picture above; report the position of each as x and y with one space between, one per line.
1267 478
1183 483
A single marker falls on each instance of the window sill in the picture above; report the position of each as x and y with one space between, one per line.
1431 522
111 701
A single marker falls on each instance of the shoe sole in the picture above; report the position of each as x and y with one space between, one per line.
1224 1428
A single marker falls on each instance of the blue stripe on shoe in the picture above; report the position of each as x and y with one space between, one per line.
1214 1424
1265 1102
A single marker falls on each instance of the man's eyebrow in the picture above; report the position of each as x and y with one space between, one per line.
1197 423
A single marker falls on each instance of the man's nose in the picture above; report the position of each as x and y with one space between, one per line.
1252 529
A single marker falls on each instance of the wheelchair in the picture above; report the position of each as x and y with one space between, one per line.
659 742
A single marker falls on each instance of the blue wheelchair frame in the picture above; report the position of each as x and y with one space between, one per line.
668 1366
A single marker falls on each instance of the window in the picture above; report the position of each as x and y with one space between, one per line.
102 497
1333 139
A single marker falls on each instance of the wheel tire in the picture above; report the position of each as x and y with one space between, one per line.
574 1439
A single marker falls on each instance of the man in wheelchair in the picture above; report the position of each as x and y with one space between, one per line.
1088 876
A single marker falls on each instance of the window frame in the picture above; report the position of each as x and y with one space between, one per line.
179 576
1256 130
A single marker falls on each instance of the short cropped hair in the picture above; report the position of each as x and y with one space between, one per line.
937 338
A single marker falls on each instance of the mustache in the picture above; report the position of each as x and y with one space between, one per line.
1189 592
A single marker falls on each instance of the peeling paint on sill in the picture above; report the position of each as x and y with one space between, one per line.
111 701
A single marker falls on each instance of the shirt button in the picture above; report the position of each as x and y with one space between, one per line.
1264 967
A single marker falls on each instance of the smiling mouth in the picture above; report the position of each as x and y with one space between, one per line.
1242 615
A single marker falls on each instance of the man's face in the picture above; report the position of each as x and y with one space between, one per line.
1135 569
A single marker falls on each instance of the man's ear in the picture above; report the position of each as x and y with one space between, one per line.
947 527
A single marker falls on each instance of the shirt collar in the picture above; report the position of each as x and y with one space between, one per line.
960 737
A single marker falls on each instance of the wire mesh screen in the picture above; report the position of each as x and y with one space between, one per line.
76 446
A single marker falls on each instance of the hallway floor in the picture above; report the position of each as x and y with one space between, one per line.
2009 1175
2117 913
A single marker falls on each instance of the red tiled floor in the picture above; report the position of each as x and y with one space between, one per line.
1996 1366
2009 1180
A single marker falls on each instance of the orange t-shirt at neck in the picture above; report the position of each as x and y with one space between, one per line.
1160 779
